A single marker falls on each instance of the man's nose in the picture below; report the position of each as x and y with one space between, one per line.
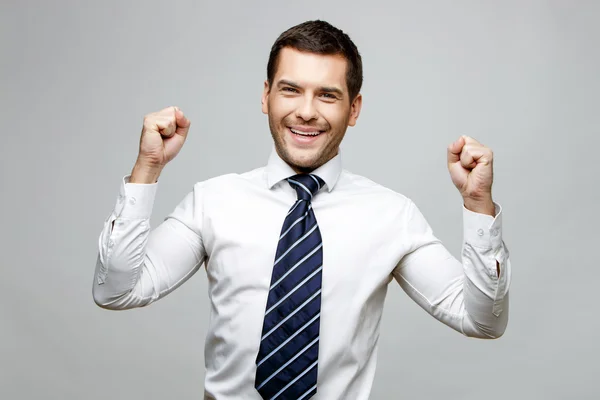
307 110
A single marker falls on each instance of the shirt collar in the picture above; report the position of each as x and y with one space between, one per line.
278 170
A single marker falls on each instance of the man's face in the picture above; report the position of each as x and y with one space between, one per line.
309 108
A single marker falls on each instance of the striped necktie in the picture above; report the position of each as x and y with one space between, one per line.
289 347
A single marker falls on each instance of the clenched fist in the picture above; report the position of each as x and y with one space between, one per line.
471 168
163 135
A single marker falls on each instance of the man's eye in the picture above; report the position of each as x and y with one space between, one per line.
329 95
289 89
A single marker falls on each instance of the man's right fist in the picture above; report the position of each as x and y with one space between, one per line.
163 135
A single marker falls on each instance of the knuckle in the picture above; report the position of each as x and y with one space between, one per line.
148 124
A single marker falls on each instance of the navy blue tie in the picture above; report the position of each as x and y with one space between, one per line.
289 347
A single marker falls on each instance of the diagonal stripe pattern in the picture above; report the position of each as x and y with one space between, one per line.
287 360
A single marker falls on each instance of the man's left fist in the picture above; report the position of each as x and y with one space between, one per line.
471 168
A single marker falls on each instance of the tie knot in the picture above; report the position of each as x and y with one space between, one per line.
306 185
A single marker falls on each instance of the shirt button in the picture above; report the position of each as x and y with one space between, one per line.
120 200
494 232
111 243
132 201
480 232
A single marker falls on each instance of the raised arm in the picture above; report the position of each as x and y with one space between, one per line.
136 265
470 296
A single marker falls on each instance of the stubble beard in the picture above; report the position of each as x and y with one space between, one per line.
325 153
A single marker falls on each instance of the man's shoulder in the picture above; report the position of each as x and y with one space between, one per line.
363 185
231 179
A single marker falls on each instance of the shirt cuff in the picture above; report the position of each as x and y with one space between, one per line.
135 200
481 230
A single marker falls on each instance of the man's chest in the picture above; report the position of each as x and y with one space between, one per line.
241 242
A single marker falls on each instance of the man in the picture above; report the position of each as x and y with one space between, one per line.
299 253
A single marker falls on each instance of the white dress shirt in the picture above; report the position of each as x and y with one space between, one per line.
371 234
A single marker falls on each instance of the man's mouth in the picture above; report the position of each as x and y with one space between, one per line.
306 133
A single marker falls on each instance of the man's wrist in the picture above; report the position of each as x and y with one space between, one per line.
482 206
144 173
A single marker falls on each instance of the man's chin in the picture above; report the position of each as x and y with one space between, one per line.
305 160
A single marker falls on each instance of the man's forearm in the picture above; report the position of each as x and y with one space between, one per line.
143 173
485 207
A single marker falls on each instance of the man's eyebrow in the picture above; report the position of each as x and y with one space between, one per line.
331 89
285 82
327 89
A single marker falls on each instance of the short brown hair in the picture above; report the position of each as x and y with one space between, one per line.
320 37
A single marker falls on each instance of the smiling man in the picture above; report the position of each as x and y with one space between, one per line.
299 253
311 98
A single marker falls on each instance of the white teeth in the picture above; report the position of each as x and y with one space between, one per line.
305 133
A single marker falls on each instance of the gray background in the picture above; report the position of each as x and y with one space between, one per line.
78 77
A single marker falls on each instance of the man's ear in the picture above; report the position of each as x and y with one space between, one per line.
265 98
355 110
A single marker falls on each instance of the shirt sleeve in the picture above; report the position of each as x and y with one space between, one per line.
468 296
136 265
